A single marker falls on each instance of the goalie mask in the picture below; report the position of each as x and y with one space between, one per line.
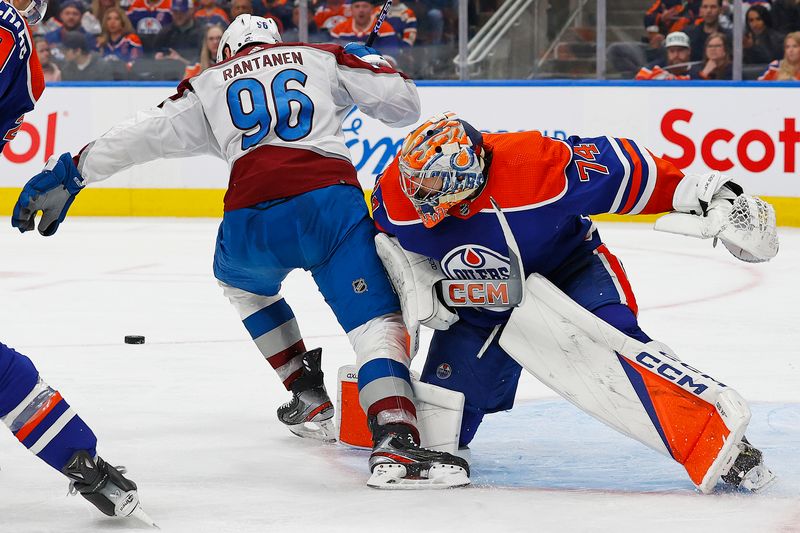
441 166
245 30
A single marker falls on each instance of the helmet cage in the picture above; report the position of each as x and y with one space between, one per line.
447 179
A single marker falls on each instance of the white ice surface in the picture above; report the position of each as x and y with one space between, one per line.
191 412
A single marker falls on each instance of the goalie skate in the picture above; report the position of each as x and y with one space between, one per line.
399 463
309 413
748 471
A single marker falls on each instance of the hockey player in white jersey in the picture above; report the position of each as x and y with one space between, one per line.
274 111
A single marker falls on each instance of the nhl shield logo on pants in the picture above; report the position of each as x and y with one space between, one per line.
359 286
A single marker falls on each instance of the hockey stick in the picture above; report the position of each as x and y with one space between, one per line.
504 293
688 64
379 22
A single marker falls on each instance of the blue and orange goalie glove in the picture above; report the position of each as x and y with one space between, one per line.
51 192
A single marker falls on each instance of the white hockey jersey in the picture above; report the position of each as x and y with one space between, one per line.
273 112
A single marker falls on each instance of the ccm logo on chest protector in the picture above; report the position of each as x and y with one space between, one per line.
458 293
478 277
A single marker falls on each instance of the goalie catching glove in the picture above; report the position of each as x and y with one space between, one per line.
52 192
714 206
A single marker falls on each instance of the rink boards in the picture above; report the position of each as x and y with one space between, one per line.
748 130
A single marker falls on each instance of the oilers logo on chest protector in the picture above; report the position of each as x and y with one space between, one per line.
472 261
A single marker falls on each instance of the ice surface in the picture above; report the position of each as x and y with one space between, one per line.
191 413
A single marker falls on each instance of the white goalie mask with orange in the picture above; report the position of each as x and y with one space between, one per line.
441 165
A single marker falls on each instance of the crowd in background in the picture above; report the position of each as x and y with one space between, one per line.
693 39
172 39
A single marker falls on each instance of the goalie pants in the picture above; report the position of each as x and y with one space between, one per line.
37 415
460 358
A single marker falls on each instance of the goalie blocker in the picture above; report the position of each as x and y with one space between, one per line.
642 390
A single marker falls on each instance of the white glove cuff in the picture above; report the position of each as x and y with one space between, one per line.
696 189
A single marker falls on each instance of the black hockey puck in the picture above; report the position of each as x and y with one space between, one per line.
134 339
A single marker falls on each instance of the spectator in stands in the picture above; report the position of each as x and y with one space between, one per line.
670 15
717 64
209 14
49 22
403 20
359 25
786 14
82 64
293 33
93 18
118 41
182 40
208 54
787 68
149 18
762 42
241 7
678 48
432 22
49 68
278 10
654 39
628 57
766 4
330 13
70 13
709 22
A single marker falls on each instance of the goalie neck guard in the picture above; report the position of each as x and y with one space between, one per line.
441 165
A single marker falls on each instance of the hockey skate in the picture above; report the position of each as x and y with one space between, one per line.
310 412
748 471
398 462
104 486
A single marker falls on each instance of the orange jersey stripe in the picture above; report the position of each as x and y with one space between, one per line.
29 426
636 176
667 178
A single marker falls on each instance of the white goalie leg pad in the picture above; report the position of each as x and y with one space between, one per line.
414 279
439 413
642 391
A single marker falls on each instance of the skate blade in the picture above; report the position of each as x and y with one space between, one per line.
322 430
143 517
392 477
758 479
